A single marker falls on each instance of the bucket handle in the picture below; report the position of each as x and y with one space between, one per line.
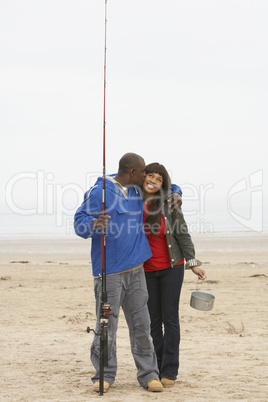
208 282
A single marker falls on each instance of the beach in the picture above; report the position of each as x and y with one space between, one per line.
47 302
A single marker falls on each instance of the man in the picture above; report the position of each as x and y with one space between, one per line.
127 248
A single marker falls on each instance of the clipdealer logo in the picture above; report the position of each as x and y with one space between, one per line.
251 215
61 200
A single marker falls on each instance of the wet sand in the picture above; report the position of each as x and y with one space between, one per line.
47 302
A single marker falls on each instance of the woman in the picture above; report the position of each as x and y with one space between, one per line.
170 243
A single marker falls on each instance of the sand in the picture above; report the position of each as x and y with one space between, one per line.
47 302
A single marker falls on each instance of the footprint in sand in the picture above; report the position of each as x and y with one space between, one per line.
19 262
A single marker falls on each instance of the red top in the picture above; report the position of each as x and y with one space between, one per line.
159 248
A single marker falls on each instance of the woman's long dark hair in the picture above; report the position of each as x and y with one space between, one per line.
153 220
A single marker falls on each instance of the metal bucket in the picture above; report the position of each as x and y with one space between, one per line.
201 300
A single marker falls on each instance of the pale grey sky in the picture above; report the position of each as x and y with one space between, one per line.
186 86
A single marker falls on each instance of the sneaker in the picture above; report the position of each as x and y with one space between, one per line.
106 386
155 386
167 383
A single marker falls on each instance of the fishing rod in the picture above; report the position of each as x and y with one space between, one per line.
105 307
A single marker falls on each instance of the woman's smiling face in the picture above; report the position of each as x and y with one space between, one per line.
152 183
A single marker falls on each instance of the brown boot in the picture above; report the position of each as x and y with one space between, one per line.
167 383
106 386
155 386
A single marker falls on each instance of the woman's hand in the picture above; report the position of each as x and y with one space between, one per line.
199 272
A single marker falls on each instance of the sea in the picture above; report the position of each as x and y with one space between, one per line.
61 225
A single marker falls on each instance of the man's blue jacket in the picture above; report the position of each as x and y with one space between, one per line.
126 243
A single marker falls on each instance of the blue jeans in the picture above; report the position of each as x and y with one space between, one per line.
126 289
164 288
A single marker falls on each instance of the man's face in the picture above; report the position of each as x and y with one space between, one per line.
139 173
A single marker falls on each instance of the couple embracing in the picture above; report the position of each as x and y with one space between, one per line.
148 247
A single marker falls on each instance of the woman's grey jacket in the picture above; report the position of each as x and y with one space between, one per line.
179 241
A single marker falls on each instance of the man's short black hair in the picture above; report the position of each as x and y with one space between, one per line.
129 161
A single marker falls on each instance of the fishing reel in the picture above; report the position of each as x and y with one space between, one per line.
105 314
91 330
106 311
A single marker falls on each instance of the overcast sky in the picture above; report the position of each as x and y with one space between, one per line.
186 86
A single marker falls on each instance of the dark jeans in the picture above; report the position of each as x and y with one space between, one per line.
164 288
